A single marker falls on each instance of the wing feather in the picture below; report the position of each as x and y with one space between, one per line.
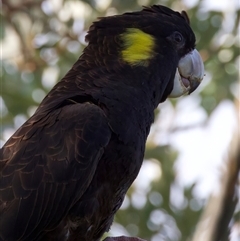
47 165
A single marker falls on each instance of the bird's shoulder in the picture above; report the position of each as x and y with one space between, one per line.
53 147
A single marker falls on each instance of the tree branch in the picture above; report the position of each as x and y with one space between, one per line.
216 218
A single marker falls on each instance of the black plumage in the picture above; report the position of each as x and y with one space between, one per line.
65 172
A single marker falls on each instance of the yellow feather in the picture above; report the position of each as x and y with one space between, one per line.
138 47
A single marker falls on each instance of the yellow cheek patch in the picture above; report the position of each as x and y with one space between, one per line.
138 47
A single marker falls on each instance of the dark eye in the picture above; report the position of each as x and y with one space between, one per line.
178 37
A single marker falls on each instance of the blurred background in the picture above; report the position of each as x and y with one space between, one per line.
187 149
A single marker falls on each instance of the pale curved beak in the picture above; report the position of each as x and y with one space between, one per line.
189 74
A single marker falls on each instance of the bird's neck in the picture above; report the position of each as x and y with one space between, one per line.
128 97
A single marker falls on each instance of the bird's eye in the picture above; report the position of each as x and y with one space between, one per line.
178 37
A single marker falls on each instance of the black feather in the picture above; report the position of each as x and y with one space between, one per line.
65 172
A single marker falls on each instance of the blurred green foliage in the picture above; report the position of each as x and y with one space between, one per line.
42 39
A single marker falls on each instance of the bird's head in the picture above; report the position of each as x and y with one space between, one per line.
151 39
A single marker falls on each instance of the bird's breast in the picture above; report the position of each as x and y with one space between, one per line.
116 171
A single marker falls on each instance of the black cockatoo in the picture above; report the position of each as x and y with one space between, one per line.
66 170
